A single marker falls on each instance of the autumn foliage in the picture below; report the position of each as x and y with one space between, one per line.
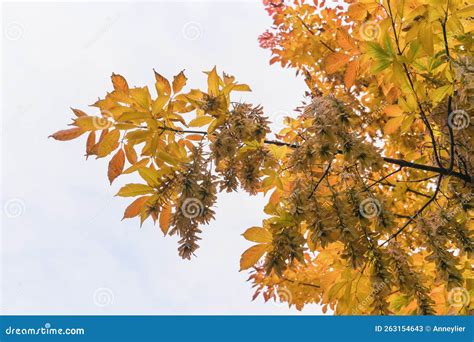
369 185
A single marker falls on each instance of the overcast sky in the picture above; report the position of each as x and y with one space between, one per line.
64 249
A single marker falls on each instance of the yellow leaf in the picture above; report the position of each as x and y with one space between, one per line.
135 207
159 103
179 81
213 82
165 218
335 61
136 166
166 157
142 97
92 123
119 83
109 143
241 87
252 255
257 234
134 116
215 124
425 36
393 124
116 165
439 94
133 189
200 121
150 175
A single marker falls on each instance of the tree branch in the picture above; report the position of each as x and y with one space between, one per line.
400 162
433 197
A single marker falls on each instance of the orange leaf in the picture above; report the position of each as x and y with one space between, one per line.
90 143
344 40
393 110
78 112
179 81
195 137
393 124
130 153
67 134
351 73
135 207
162 85
116 165
165 217
119 83
335 61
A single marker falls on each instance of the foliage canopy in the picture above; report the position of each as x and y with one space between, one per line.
370 183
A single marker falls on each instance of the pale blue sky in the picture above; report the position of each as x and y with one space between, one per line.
68 242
